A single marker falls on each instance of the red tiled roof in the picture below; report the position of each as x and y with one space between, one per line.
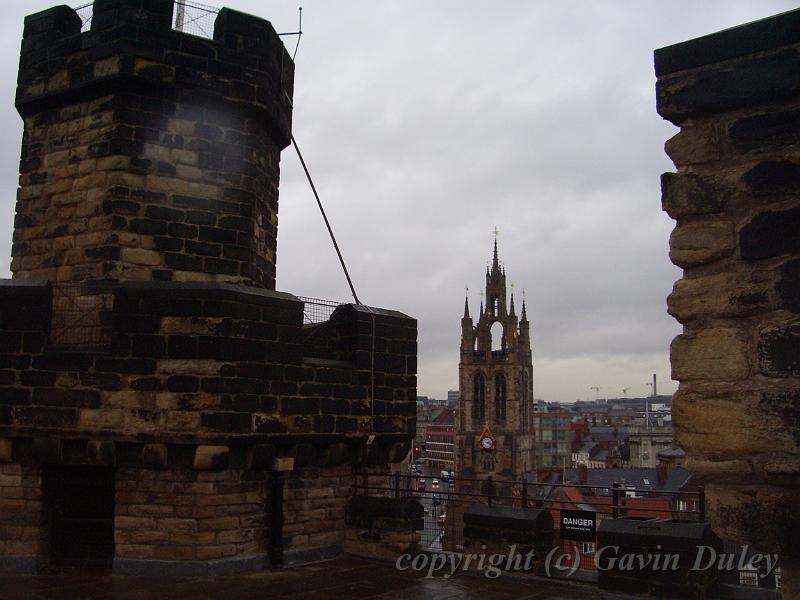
571 497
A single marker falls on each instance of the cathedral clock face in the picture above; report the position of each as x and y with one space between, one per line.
487 443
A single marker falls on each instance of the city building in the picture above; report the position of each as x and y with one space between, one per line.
453 397
431 402
494 431
425 416
553 442
440 442
645 443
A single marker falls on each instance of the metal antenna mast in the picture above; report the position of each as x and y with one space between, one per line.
327 223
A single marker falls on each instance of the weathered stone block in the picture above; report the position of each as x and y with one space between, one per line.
98 419
140 256
766 131
719 353
262 456
101 453
771 233
779 350
694 144
283 463
763 513
689 194
211 458
778 468
747 81
6 448
722 295
48 450
728 423
154 456
773 178
788 287
693 244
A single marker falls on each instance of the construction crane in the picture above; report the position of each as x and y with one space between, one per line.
596 391
625 392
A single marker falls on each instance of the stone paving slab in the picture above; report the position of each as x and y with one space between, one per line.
343 578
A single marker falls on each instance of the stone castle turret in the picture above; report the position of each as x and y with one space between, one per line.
146 361
147 154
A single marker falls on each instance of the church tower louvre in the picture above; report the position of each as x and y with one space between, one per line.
494 428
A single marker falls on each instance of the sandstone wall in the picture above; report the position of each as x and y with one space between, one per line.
736 200
314 506
184 515
22 533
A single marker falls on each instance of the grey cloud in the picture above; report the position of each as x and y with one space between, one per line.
426 124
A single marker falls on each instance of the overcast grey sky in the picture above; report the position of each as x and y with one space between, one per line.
427 123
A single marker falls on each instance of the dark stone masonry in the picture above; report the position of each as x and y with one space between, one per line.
147 153
163 408
736 201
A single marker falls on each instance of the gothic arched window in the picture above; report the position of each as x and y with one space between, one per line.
479 398
500 397
498 335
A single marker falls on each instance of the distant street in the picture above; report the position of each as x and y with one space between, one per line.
431 535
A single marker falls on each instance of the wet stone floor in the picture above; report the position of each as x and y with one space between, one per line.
344 578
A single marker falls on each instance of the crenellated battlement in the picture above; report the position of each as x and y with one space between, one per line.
149 153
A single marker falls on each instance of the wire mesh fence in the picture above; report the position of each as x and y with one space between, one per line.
316 334
316 310
85 13
80 316
194 18
188 17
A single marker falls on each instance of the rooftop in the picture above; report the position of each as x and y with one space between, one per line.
344 577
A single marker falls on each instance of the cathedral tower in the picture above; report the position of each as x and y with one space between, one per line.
494 429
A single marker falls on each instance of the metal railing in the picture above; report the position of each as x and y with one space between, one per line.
522 493
444 504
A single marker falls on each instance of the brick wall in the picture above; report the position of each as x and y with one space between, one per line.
736 199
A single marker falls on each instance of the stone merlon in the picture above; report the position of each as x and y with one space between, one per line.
131 46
